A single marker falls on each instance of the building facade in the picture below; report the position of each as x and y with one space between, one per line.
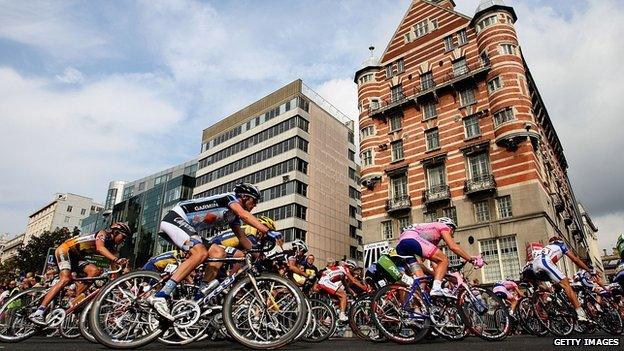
114 195
144 203
10 247
591 234
452 124
299 150
65 211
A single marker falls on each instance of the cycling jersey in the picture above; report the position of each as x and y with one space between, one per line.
230 239
189 217
545 261
158 263
70 254
331 279
421 239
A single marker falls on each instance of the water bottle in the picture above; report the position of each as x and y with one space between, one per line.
479 303
205 289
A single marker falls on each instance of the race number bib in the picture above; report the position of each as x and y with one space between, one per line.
171 267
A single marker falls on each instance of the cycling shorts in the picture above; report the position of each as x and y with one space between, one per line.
69 259
329 287
545 266
416 246
179 230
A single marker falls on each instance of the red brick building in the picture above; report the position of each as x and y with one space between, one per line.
452 124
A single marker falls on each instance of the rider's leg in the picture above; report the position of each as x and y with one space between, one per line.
197 255
64 279
215 251
565 284
442 262
90 270
342 298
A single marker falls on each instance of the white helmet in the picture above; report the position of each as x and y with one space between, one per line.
350 263
448 222
299 245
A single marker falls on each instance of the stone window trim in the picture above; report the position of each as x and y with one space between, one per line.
429 132
514 49
495 84
510 113
465 118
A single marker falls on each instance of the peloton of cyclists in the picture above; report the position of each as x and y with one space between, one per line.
331 282
545 261
182 224
70 258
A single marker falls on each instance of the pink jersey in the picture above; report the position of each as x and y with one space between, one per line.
507 284
431 232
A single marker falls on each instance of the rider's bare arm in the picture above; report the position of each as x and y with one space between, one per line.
355 281
101 248
577 261
248 218
452 245
292 265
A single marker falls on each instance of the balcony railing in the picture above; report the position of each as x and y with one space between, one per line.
436 193
567 219
557 202
479 184
460 71
398 203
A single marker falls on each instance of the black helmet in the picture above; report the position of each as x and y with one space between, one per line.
121 227
248 190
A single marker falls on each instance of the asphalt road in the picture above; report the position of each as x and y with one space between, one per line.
524 343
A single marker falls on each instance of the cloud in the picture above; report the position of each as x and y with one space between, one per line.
342 93
70 76
59 28
77 140
610 226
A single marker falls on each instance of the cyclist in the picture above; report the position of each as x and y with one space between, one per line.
296 259
229 240
422 240
158 263
187 218
545 261
331 282
70 258
508 290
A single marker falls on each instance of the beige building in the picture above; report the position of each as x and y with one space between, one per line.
591 234
66 210
10 247
300 151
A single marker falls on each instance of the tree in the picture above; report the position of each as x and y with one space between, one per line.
31 257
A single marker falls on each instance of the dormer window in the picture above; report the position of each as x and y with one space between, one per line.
421 28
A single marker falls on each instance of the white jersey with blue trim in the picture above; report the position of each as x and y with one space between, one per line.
211 212
553 252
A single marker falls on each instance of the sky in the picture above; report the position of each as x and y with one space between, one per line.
116 90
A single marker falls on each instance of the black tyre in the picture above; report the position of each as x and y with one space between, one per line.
393 321
361 321
14 323
528 318
325 320
121 317
485 315
83 324
269 321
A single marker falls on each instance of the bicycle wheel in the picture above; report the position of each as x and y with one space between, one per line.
325 318
560 316
397 324
361 322
608 318
484 313
121 317
83 324
528 318
265 312
70 328
310 323
447 319
14 323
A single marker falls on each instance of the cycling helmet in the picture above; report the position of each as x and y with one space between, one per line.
299 245
555 239
247 189
267 221
448 222
121 227
350 263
